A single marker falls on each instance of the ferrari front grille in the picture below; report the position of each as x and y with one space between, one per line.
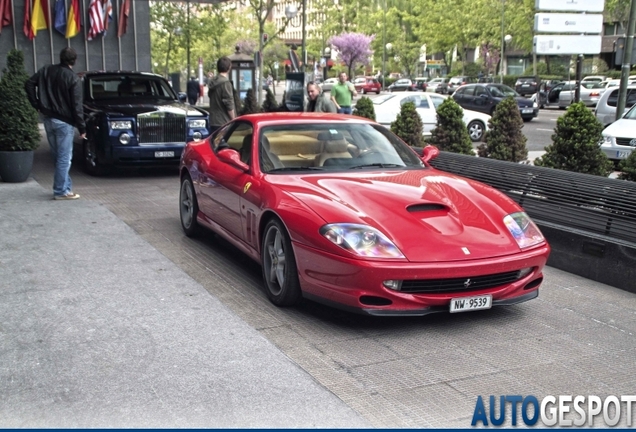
463 284
157 130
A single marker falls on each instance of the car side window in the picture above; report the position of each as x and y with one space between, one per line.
631 98
414 99
240 139
423 103
612 99
480 91
437 101
220 134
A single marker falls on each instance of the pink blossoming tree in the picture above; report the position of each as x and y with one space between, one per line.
353 49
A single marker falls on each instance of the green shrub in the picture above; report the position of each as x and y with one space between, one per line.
408 125
18 119
451 133
628 168
250 104
364 108
269 104
504 140
575 144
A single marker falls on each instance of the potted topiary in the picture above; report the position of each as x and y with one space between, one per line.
504 140
364 108
19 132
628 168
451 134
250 104
408 125
270 104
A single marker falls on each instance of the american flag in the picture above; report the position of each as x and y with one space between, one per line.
108 14
96 19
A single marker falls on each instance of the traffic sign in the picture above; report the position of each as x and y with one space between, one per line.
568 23
570 5
566 44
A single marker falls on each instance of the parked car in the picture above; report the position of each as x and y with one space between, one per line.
458 81
593 78
403 84
526 85
438 85
485 98
387 108
359 81
328 83
548 93
135 118
590 92
370 85
421 83
605 110
619 138
338 209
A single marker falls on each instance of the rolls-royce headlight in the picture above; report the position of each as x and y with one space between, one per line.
523 230
361 240
194 124
124 138
121 124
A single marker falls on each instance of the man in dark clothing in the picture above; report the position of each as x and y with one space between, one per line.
222 107
55 91
193 91
318 101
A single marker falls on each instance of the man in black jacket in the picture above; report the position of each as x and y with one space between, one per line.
56 93
193 91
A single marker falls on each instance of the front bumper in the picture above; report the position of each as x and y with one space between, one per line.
616 152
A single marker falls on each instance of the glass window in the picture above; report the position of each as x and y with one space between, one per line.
414 99
437 101
609 29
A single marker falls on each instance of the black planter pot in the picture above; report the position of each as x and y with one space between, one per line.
15 166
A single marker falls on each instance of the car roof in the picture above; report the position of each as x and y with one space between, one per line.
117 72
286 117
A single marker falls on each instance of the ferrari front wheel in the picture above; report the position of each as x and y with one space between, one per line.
279 266
188 207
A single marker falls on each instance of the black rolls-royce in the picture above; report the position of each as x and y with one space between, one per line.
136 118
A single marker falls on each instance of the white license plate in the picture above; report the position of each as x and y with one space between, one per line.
465 304
163 154
527 111
525 85
622 154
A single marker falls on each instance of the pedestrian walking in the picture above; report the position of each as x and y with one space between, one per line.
193 90
318 101
342 94
222 106
56 93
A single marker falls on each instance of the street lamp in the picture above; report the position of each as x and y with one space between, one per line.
504 63
291 12
327 57
384 46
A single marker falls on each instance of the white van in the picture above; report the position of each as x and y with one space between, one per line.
605 110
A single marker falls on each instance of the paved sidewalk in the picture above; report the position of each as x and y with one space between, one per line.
100 330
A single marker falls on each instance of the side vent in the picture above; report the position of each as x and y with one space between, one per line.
425 207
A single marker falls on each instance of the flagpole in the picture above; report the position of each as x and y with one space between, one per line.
135 33
35 57
67 8
83 13
119 6
103 53
15 35
51 32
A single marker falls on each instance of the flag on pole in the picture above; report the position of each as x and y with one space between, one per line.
96 19
26 27
108 14
73 23
39 16
5 13
60 16
124 11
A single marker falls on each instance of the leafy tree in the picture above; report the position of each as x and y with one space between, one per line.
504 140
451 133
270 104
364 108
628 168
250 104
575 144
18 120
353 49
408 125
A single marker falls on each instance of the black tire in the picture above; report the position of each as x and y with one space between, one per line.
92 165
188 207
476 130
279 266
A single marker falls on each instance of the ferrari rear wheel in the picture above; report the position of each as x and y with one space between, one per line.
188 207
279 266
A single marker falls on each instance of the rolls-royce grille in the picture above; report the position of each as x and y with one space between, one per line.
626 142
441 286
153 130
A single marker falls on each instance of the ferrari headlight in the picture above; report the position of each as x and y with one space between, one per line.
121 124
362 240
523 230
193 124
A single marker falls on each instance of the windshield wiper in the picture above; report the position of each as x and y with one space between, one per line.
379 165
296 168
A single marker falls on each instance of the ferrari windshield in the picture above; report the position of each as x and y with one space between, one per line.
129 86
333 147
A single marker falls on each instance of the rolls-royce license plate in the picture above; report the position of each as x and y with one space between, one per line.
164 154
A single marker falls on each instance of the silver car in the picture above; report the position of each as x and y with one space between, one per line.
590 93
605 110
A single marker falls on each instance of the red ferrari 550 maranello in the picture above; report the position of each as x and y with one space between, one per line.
339 210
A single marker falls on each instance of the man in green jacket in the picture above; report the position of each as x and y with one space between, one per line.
318 101
342 94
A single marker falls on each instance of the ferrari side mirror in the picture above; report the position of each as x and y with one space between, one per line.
232 157
430 153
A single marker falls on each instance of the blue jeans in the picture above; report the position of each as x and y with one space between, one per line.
60 136
344 110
